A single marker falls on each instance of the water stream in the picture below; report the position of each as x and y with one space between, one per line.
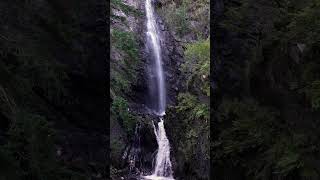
163 167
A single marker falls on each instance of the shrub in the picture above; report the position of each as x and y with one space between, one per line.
188 104
124 71
251 130
119 109
31 142
176 18
197 65
313 94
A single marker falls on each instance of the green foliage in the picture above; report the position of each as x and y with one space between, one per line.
197 66
256 141
191 116
195 119
45 75
305 26
304 29
116 149
176 17
251 125
180 16
124 71
188 104
126 42
119 109
38 42
118 4
198 17
187 17
30 151
313 94
256 135
119 82
189 124
31 142
39 70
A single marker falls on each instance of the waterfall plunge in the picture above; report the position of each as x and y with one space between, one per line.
163 167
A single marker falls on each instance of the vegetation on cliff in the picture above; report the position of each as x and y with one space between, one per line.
188 121
124 64
187 17
267 98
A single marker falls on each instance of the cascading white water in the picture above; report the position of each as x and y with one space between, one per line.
163 163
153 39
163 167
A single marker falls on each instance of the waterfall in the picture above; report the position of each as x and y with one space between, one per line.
154 42
163 163
163 167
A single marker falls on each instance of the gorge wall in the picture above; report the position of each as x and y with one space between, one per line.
129 88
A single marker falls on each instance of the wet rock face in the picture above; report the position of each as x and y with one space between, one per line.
148 147
172 57
143 144
142 147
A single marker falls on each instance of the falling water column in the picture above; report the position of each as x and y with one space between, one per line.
163 167
153 40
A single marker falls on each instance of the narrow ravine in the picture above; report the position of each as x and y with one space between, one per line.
163 167
160 89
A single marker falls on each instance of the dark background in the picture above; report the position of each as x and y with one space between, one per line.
53 83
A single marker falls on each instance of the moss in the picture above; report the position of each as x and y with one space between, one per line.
179 14
189 104
197 66
176 18
120 111
124 71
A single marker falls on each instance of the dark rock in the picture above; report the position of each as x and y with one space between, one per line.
180 51
170 48
143 145
82 151
162 27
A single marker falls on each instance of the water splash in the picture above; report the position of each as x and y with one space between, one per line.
163 163
163 168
